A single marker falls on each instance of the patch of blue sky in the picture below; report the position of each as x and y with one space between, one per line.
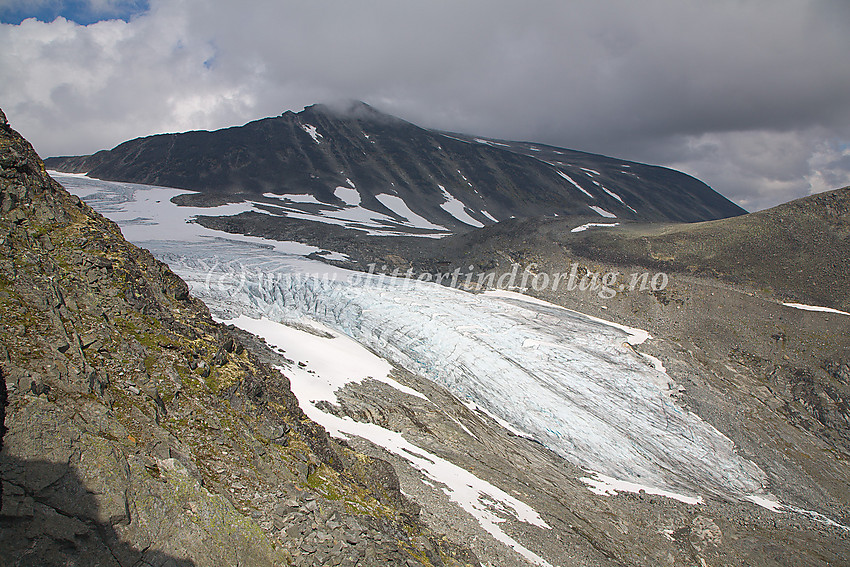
210 61
83 12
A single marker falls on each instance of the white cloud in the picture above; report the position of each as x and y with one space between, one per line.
750 96
760 169
829 167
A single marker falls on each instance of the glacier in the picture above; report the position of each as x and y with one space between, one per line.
573 383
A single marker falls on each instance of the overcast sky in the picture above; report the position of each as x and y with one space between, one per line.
751 96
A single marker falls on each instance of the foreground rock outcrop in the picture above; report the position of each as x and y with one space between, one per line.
141 432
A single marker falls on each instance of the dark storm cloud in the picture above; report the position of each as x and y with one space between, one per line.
750 96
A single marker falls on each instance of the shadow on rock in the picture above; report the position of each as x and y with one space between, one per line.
50 518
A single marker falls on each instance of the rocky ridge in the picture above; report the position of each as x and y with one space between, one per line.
142 432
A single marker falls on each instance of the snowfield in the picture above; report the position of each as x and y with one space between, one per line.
602 212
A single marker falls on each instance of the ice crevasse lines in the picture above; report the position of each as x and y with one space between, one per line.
572 382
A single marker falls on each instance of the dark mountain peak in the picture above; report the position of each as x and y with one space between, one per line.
404 174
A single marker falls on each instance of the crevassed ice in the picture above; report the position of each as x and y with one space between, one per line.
572 383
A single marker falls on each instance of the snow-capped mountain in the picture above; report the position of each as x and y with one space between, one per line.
356 167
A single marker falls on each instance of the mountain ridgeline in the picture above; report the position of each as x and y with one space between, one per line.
454 181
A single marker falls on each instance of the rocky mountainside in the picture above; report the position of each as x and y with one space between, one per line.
142 432
357 167
798 251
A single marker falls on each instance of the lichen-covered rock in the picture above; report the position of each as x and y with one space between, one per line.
3 395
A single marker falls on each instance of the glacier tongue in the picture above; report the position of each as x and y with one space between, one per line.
569 381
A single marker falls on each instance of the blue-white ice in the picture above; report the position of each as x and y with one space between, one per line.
570 382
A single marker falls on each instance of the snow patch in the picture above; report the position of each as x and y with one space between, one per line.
348 195
311 130
488 215
491 142
805 307
577 186
820 518
609 486
457 209
335 358
330 255
615 196
455 138
603 212
360 218
584 227
766 503
399 207
300 198
656 362
504 424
